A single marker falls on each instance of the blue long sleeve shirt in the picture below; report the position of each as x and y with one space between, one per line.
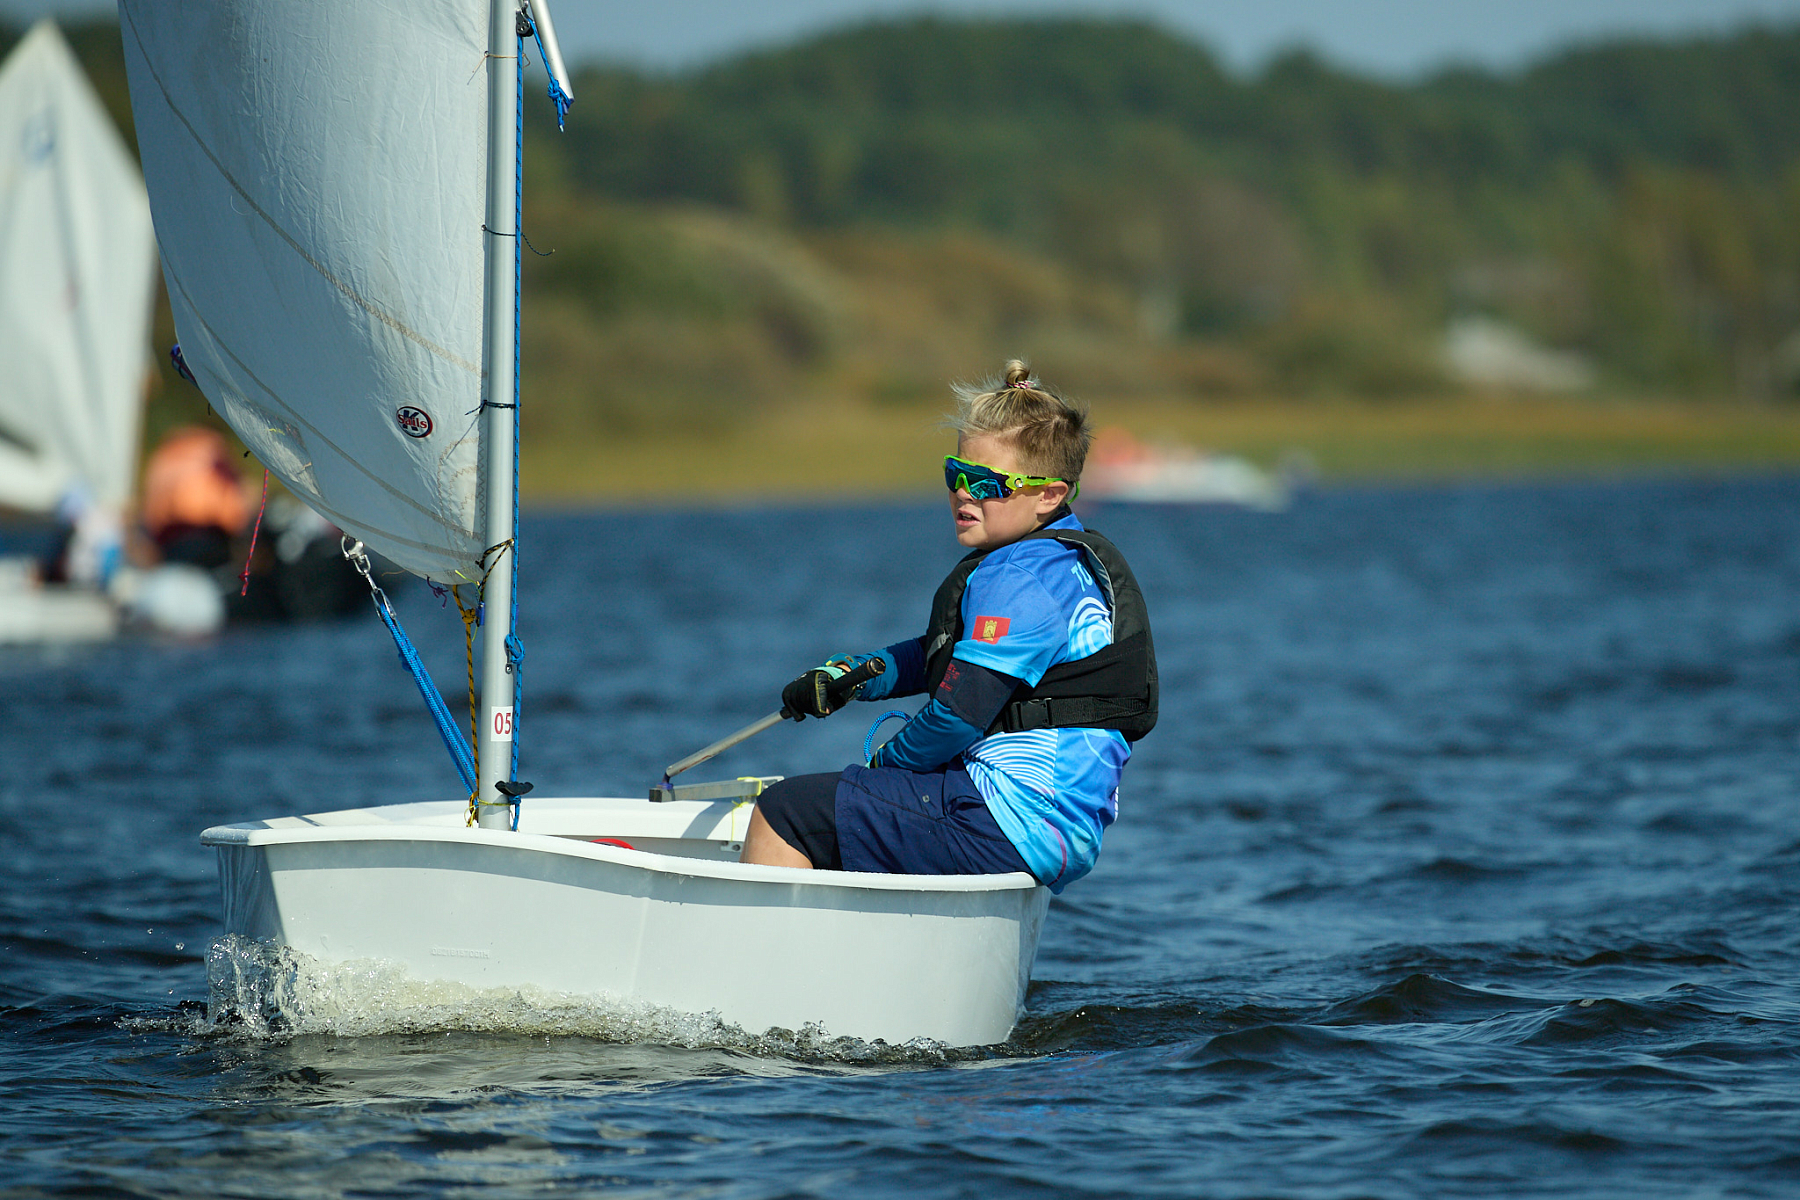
1053 792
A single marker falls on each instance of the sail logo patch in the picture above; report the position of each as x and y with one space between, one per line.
990 629
413 423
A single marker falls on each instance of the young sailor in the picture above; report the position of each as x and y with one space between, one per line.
1038 661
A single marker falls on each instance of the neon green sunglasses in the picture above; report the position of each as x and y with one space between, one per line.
983 482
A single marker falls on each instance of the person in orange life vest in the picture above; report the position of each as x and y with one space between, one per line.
194 500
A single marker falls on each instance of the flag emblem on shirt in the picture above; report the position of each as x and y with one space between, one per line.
991 629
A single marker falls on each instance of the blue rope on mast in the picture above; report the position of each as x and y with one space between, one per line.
558 97
562 99
515 648
434 700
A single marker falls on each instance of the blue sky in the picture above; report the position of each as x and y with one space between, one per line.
1396 38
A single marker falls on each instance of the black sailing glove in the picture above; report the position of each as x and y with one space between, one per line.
823 690
809 696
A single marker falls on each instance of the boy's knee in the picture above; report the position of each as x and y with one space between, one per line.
801 812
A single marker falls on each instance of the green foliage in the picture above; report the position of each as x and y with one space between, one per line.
1624 199
652 319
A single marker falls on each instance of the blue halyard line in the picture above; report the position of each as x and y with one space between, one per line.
558 97
515 648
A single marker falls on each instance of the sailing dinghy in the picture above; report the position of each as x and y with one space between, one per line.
77 269
336 190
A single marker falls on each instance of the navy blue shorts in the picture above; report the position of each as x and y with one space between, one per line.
890 820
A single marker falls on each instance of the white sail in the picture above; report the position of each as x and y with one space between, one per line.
77 265
318 175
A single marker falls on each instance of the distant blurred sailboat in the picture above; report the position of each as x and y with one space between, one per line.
77 269
1122 468
1489 353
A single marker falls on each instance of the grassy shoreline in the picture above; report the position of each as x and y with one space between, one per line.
812 450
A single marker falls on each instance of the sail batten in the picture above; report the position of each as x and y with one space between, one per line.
318 177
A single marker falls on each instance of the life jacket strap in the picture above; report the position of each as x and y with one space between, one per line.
1072 712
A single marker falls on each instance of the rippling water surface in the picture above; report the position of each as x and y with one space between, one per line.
1464 862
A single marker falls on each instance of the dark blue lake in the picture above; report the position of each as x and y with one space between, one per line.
1464 862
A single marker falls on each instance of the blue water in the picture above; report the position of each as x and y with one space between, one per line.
1464 862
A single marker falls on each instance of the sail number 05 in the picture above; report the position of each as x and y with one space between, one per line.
500 723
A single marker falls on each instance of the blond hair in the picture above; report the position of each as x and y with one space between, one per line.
1051 434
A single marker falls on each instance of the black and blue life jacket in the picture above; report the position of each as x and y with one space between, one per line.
1112 688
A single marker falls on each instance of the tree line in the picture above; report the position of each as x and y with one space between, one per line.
1637 200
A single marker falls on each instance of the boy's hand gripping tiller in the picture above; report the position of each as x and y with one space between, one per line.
838 689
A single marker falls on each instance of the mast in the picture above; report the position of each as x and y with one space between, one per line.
499 412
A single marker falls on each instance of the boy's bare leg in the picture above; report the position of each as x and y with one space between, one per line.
762 845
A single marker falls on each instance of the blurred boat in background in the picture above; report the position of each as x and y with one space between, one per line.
77 270
198 515
1484 352
1122 468
77 284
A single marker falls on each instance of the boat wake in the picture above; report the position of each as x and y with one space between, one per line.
263 992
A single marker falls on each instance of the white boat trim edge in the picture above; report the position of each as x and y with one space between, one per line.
555 833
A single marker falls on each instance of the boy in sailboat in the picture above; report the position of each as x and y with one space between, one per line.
1038 661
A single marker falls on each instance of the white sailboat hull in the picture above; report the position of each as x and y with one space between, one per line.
675 922
34 615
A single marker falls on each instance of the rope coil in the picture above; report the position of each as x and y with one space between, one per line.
869 741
